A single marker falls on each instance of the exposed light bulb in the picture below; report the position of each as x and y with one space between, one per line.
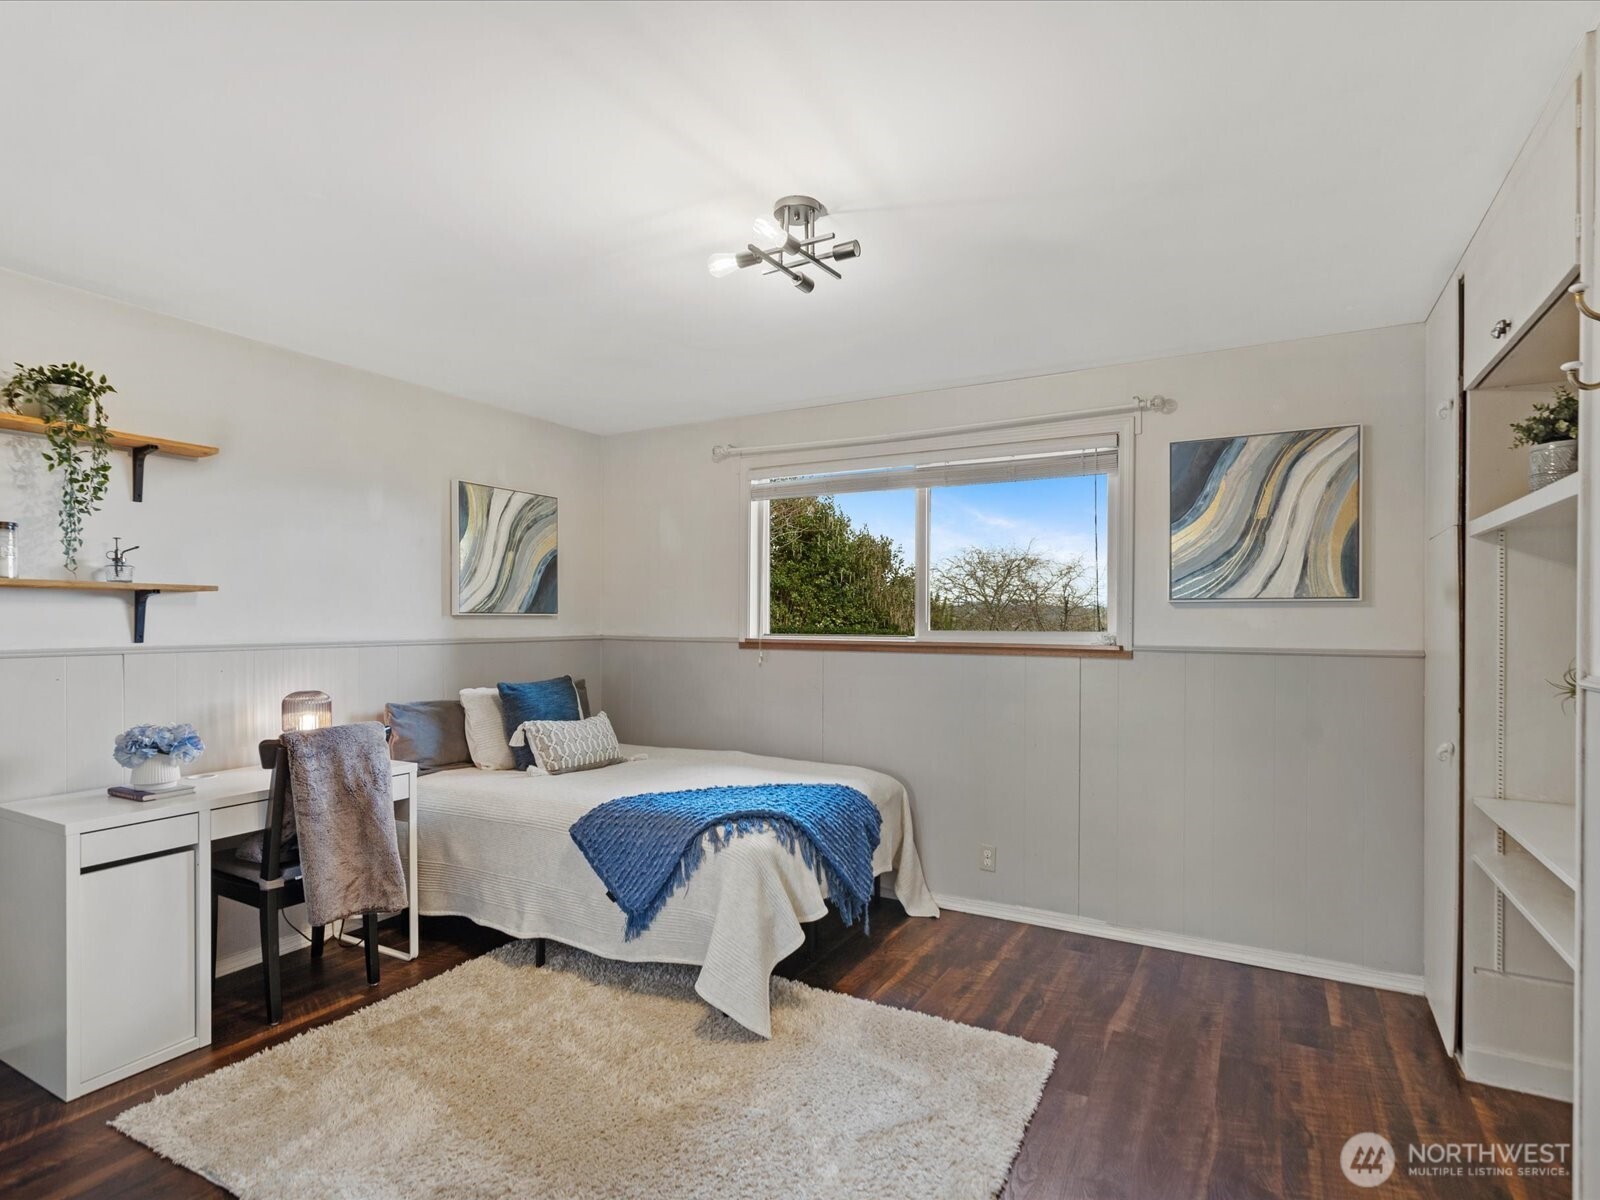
722 264
770 232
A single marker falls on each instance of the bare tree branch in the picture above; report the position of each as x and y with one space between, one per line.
1013 588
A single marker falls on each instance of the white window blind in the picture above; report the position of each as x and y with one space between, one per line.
1091 456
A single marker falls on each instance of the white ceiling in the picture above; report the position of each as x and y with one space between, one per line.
515 203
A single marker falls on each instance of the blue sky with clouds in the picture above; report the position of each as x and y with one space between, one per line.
1056 515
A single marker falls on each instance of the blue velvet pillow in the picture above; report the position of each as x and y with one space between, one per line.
545 700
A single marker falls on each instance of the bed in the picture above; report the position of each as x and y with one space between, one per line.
494 846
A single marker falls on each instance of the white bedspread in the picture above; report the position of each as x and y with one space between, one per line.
494 846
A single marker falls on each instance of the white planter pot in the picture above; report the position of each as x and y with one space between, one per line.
1550 462
161 771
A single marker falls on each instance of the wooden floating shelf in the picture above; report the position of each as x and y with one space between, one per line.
140 592
1545 830
1550 908
96 585
139 445
1550 507
18 423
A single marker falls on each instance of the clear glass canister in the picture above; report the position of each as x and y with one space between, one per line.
8 549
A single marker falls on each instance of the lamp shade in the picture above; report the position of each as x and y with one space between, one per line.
307 710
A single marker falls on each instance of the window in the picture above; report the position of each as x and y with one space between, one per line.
1010 543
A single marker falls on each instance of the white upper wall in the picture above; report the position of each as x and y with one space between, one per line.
675 520
326 516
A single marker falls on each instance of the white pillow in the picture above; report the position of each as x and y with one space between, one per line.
486 729
562 746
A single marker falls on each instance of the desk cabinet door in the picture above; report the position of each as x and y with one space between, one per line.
135 961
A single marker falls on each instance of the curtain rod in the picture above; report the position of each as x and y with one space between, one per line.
1141 404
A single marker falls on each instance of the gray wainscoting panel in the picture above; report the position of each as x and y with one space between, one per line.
1268 800
714 696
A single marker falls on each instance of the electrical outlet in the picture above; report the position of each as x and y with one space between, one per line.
985 858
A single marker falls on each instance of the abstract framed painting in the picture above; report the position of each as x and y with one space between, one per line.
1268 516
505 556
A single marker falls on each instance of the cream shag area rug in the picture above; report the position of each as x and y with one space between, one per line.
589 1078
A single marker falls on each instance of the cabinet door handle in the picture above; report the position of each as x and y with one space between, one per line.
1445 752
1500 328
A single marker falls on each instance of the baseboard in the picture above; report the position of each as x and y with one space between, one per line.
240 960
289 941
1250 956
1539 1076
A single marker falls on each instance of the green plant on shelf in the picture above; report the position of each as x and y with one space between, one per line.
1556 421
67 397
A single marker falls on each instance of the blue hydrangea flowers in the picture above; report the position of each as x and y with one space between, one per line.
144 742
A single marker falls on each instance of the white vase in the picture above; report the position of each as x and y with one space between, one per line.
162 771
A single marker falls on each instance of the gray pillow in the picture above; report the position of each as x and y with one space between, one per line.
581 686
430 733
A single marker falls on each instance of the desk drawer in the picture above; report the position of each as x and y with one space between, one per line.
238 818
135 841
252 817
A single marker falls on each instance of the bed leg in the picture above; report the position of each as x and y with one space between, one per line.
538 952
877 888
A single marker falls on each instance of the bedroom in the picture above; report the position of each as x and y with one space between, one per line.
934 600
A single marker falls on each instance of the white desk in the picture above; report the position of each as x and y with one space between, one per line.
105 946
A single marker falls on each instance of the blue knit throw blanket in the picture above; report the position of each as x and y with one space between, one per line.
644 848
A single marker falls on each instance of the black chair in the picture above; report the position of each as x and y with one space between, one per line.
271 886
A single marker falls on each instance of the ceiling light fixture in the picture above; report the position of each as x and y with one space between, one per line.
791 241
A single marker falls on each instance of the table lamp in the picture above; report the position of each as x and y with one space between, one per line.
307 710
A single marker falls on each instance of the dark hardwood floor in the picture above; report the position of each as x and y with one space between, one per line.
1177 1076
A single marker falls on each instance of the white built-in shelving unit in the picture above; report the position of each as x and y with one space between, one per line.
1553 506
1503 819
1546 831
1511 573
1520 848
1545 903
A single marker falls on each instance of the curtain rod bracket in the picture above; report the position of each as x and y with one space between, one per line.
1157 403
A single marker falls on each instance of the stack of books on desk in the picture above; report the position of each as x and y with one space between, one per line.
123 792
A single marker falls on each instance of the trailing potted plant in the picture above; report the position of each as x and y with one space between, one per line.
1551 434
67 397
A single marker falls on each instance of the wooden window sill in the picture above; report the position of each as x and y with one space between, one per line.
1036 649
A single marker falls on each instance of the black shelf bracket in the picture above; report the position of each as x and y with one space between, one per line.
139 597
139 453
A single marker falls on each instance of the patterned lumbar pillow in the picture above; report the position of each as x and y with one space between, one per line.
562 746
486 729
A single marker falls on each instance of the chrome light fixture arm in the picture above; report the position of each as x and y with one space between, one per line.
803 282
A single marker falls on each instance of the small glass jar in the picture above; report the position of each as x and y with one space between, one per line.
8 549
